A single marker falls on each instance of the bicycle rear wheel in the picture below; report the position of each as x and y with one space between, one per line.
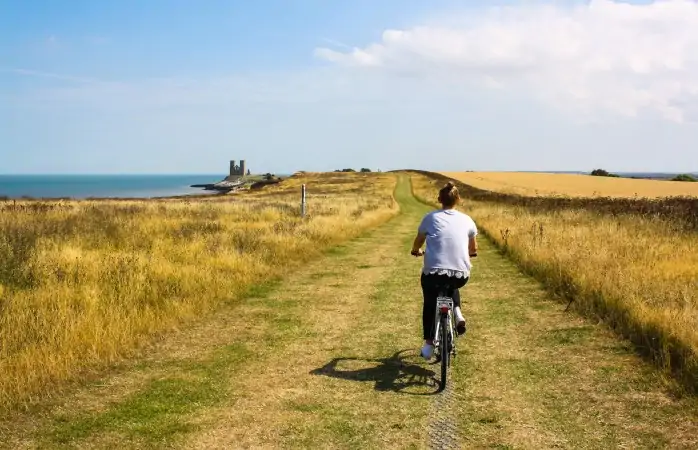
444 349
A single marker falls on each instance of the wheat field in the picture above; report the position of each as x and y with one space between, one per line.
84 283
636 273
573 185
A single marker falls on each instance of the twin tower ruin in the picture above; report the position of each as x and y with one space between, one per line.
238 171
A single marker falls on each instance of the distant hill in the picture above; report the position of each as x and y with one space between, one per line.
648 175
653 175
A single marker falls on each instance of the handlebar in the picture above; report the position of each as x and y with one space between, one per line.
421 253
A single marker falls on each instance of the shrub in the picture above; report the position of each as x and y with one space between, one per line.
602 173
684 177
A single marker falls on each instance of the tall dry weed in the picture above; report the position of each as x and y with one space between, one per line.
639 273
83 283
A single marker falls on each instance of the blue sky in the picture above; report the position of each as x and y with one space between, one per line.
182 87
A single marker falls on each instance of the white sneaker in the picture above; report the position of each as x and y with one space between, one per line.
427 351
459 314
460 320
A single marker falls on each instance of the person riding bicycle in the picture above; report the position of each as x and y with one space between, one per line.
450 237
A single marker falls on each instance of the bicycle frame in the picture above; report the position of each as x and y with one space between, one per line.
444 305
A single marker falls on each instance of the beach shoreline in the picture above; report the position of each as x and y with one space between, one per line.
90 187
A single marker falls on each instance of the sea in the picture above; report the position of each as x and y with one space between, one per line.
102 186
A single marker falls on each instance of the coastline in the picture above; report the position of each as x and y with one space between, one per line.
124 187
84 187
221 186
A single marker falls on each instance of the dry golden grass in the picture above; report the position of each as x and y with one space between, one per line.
340 344
572 185
339 369
84 282
634 272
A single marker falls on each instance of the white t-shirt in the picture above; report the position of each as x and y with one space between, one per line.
448 232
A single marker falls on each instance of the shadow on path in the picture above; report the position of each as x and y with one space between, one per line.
399 373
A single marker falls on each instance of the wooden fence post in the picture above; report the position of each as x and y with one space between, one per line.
303 204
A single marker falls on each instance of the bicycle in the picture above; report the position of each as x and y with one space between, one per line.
444 327
444 332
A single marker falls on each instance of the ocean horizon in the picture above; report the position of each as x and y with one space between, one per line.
102 186
39 186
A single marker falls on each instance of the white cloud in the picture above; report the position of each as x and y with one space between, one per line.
299 88
40 74
627 59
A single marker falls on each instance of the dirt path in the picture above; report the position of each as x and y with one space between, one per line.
328 359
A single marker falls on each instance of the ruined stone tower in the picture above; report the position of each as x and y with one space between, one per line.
238 171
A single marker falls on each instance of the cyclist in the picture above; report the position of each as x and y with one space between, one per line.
450 238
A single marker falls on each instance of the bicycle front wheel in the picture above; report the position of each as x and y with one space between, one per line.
445 351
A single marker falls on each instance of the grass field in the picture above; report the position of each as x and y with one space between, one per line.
572 185
84 282
326 357
637 274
